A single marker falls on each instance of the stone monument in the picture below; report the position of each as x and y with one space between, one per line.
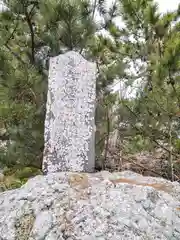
70 110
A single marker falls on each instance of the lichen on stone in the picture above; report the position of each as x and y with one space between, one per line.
70 110
23 226
86 206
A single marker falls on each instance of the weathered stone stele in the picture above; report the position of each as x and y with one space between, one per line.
70 109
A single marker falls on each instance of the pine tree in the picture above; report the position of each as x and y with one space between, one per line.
33 31
29 37
153 40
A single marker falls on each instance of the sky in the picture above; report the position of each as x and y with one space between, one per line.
167 5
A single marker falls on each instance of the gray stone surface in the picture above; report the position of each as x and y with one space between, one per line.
83 206
70 109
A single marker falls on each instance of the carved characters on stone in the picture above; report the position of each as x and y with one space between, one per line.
70 109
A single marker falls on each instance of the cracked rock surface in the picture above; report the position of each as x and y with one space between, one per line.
100 206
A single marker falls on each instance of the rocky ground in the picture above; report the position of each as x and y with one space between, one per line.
100 206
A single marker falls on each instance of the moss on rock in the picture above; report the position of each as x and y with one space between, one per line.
16 177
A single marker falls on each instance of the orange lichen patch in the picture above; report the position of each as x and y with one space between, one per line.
80 180
79 183
159 186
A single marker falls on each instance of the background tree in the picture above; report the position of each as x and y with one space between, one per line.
144 53
152 45
30 36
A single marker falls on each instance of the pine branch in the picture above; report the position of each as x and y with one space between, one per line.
15 54
32 9
29 22
4 137
94 9
11 35
141 131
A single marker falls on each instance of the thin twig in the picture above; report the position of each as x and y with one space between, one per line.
29 22
138 164
94 9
